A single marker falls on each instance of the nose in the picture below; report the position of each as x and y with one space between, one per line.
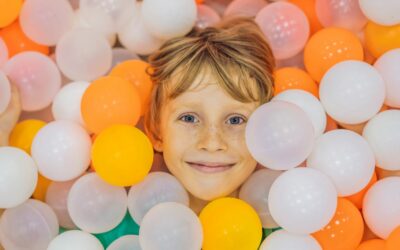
212 140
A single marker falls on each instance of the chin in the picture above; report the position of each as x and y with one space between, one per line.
212 194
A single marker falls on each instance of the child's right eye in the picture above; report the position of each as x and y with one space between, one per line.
188 118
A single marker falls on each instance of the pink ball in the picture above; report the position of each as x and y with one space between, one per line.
206 16
5 92
340 13
37 77
248 8
3 52
286 28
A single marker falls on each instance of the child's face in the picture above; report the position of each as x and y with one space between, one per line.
203 142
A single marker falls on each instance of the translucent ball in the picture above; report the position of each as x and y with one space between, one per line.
37 78
18 176
83 54
170 226
5 92
96 206
127 242
31 225
120 55
62 150
206 16
248 8
67 102
384 12
56 198
75 239
156 188
46 21
3 52
283 240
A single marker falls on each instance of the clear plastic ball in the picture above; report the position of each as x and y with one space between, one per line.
127 242
76 240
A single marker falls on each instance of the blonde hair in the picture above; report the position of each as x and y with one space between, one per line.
234 50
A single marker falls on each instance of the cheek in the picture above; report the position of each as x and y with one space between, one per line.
177 140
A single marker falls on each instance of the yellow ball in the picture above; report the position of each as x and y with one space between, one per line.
122 155
230 223
9 11
41 188
380 39
23 134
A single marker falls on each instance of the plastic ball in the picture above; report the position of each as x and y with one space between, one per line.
62 150
387 66
393 241
67 103
283 240
308 7
294 78
95 206
206 16
46 21
352 92
19 176
120 55
170 226
41 188
309 104
9 11
127 242
156 188
315 196
380 39
56 198
31 225
346 158
344 14
172 23
80 58
248 8
383 12
24 132
3 51
135 72
357 198
279 135
374 244
383 135
37 78
108 101
230 223
328 47
381 208
255 192
122 155
5 92
77 240
285 27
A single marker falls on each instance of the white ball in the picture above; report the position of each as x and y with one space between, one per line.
309 104
381 206
96 206
19 176
83 54
46 21
352 92
75 240
255 192
346 158
302 200
168 19
383 134
156 188
62 150
170 226
67 103
127 242
384 12
388 65
283 240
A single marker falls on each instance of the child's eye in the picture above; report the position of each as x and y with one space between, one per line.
236 120
188 118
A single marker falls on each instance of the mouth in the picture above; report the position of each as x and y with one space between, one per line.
211 167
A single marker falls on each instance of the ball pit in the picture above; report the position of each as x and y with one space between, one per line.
80 172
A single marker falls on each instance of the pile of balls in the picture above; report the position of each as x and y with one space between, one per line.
76 173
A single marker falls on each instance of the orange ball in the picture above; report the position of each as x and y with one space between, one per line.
328 47
9 11
393 241
294 78
17 41
357 198
379 39
110 100
330 124
375 244
135 72
308 7
345 230
199 1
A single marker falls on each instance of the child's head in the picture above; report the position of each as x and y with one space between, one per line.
206 86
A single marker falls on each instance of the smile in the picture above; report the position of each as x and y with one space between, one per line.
210 167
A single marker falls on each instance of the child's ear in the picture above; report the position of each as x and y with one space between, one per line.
157 143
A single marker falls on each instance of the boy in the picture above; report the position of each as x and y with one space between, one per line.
207 84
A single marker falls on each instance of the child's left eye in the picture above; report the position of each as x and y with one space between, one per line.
188 118
235 120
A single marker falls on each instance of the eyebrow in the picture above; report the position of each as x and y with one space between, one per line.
189 105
